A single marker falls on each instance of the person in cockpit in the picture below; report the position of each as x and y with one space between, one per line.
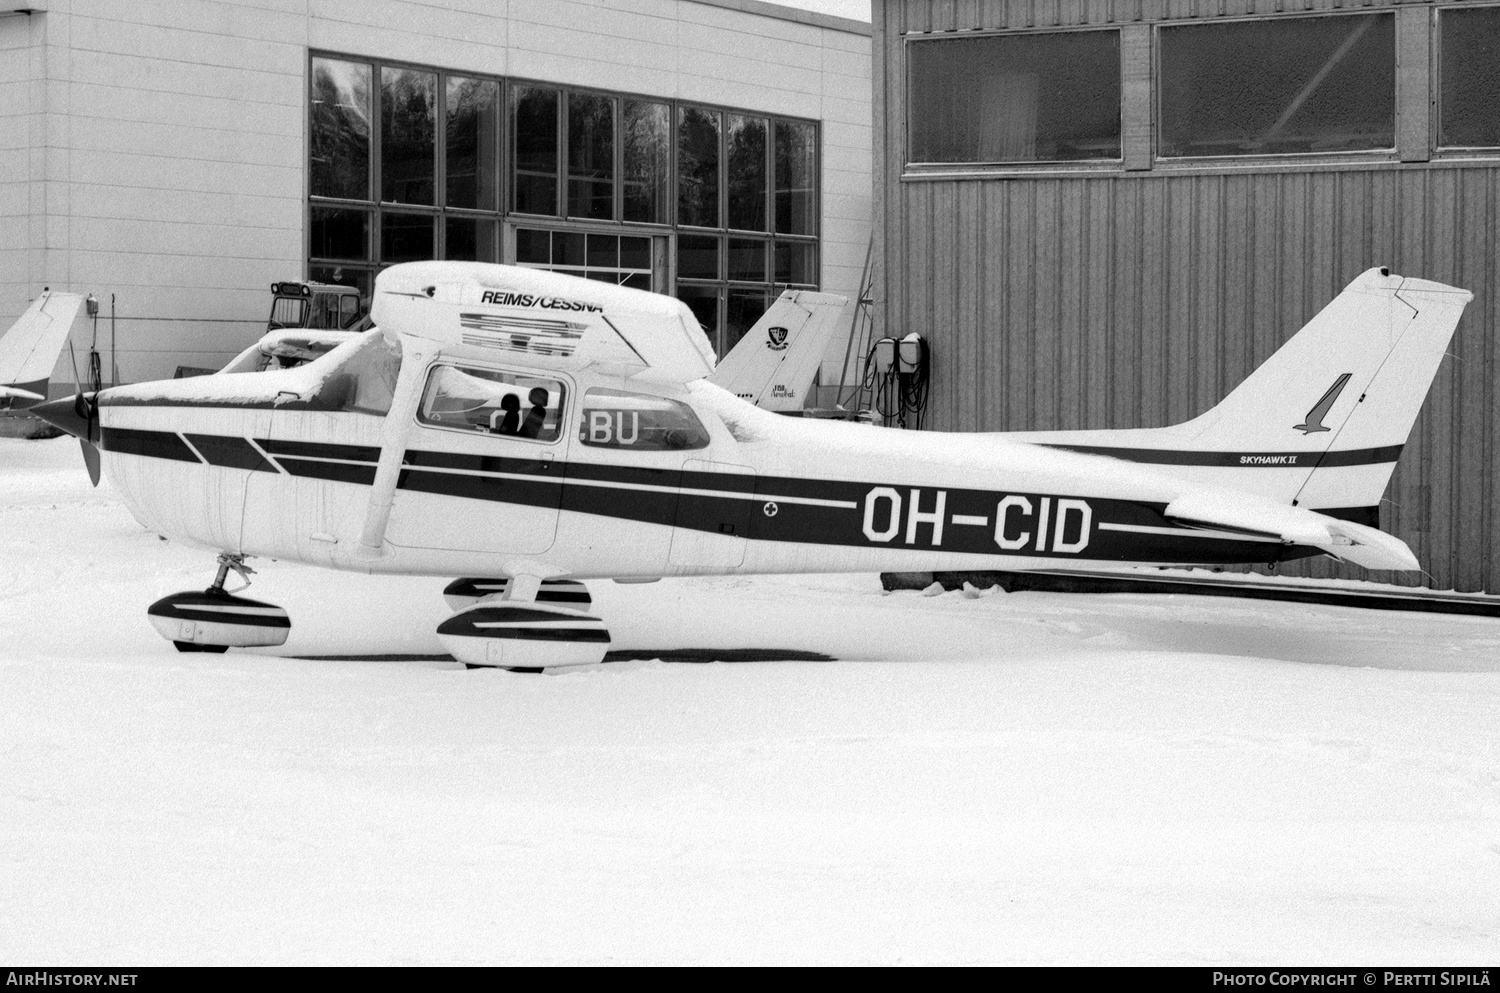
511 421
532 426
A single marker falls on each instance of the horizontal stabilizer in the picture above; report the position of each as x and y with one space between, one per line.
1242 513
16 393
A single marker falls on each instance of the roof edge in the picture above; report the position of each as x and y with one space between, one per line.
783 13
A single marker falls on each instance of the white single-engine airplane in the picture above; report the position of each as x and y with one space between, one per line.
527 431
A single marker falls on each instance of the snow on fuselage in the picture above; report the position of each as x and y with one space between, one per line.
282 464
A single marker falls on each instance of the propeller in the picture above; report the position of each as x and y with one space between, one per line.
86 407
79 416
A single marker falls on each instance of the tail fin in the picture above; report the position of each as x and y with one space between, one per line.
774 363
1323 420
1344 390
29 350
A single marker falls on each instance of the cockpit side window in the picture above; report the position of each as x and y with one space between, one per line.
504 403
639 422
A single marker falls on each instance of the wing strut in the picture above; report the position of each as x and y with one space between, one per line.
416 355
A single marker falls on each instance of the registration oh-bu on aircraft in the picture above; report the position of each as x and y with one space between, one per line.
526 431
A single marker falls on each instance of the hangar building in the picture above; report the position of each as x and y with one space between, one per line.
1106 213
182 155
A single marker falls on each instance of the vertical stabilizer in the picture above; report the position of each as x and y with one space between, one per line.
773 365
1323 420
29 350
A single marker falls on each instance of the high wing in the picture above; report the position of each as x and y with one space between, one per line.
29 350
542 320
773 365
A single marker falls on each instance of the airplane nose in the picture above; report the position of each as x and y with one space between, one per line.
63 414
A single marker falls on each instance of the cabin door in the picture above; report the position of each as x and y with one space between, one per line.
483 466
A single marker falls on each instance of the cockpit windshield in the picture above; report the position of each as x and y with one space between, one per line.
364 380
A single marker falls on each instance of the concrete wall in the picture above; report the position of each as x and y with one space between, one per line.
23 151
175 157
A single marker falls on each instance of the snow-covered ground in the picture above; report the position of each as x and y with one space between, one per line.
1023 778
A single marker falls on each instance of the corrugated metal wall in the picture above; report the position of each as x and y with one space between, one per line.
1140 299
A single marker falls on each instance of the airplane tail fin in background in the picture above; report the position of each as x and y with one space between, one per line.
773 365
1323 420
29 350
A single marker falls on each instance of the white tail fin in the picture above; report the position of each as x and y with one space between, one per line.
29 350
774 363
1323 420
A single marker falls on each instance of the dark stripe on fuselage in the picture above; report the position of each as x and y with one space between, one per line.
1240 460
319 450
229 451
338 472
766 508
527 492
152 444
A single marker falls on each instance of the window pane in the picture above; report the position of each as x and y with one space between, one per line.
747 260
1019 98
746 137
647 168
635 253
745 308
493 403
1470 86
405 237
591 156
534 120
473 147
697 256
567 248
364 279
340 142
604 251
408 130
288 312
703 301
1308 84
340 233
698 167
796 262
533 245
639 422
470 239
796 178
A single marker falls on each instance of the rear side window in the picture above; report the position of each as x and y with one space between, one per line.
504 403
639 422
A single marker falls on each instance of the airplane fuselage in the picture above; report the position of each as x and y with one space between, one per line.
760 494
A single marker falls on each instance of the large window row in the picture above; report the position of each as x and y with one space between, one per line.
410 162
1273 86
